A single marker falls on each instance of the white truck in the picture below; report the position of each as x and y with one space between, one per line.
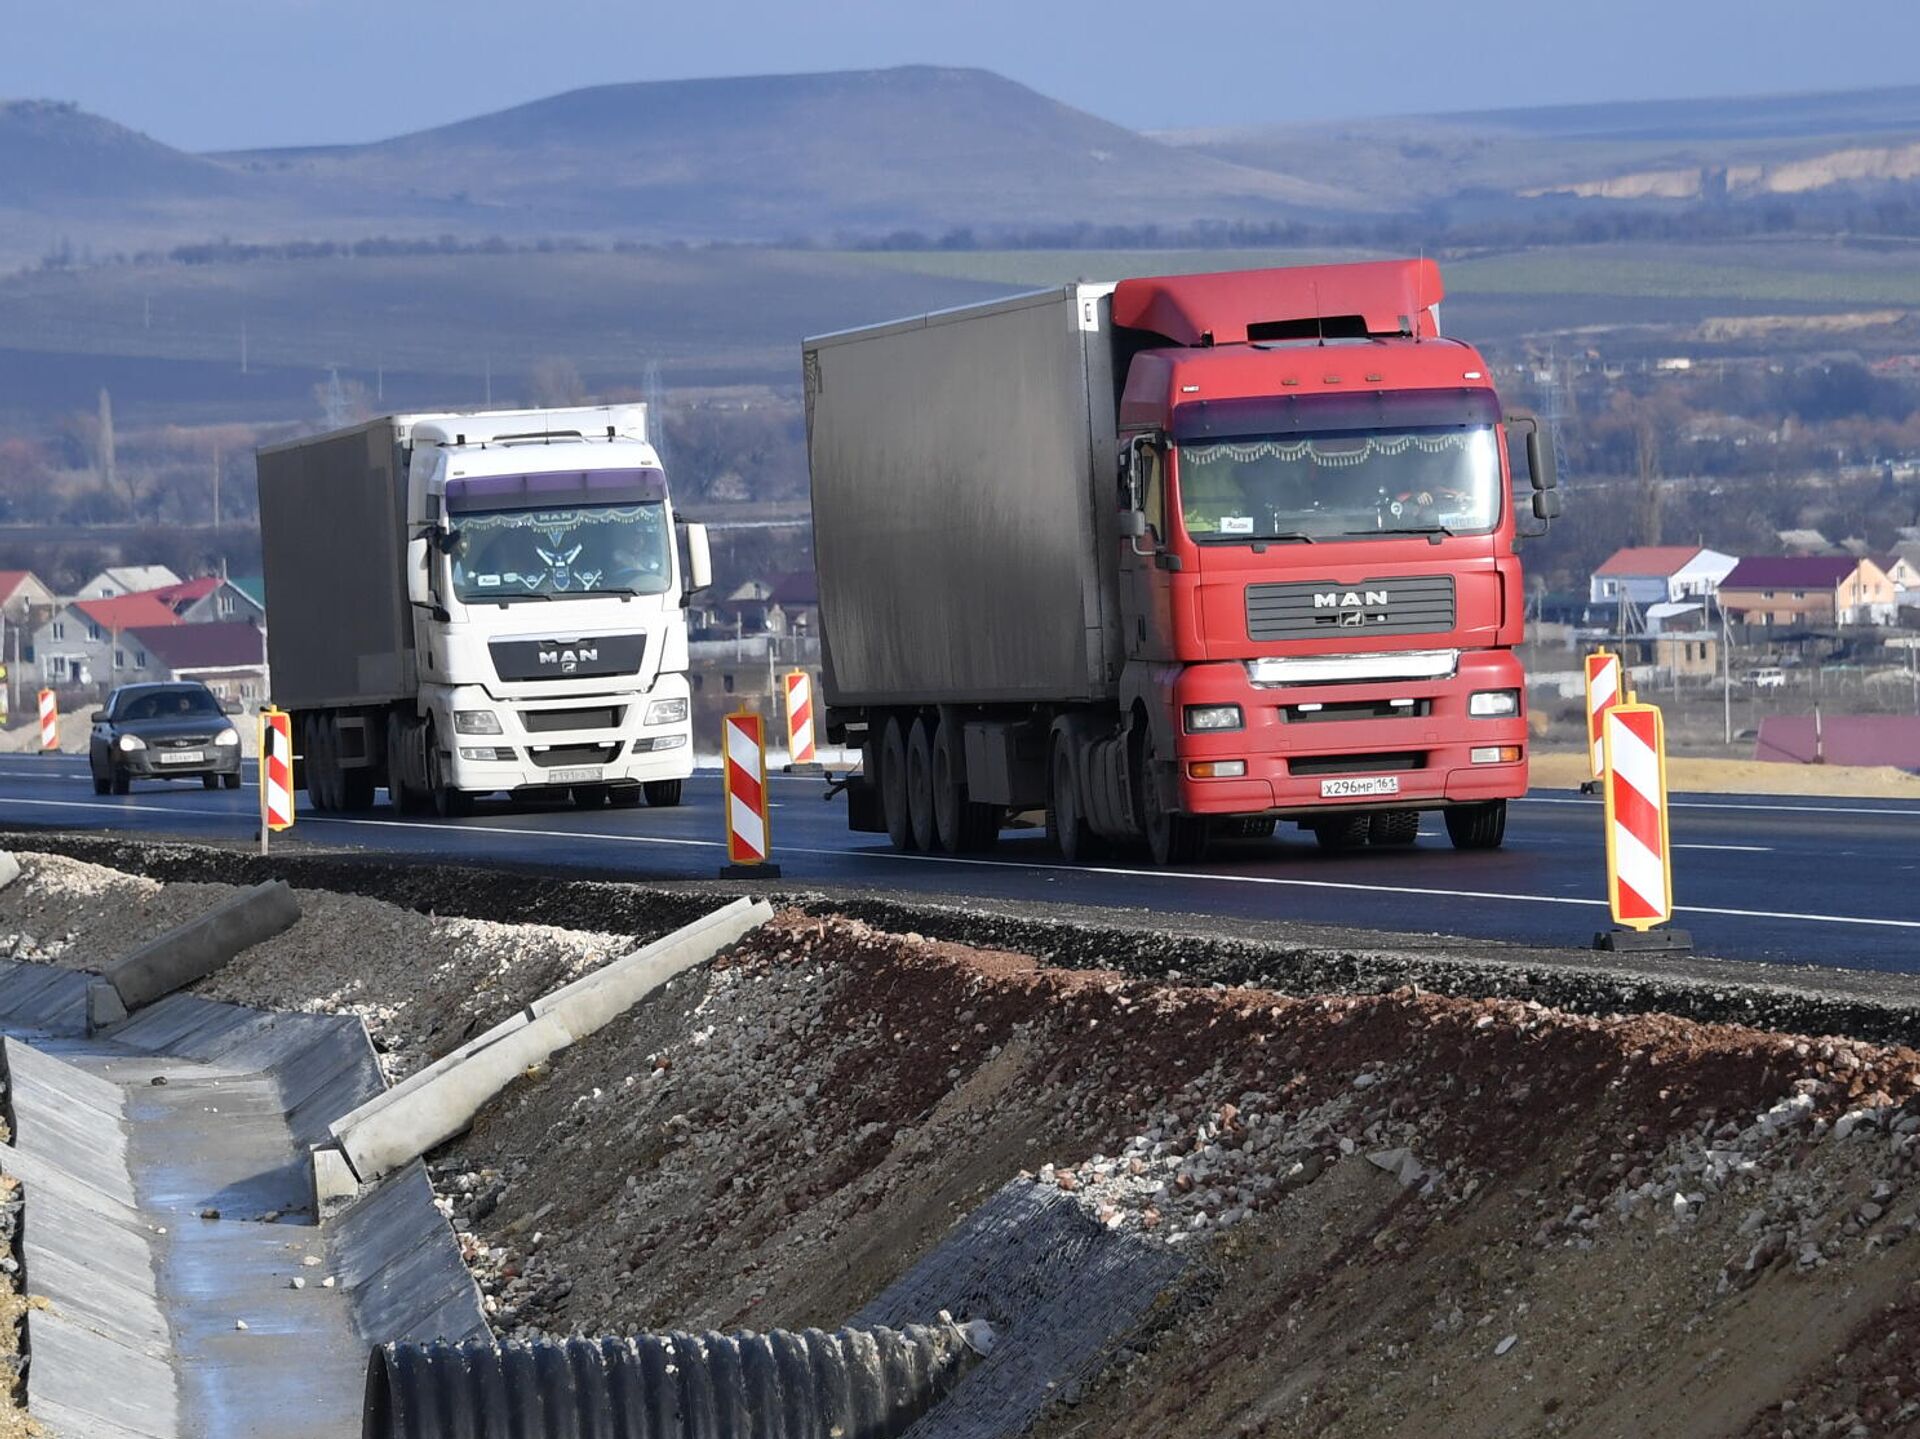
468 603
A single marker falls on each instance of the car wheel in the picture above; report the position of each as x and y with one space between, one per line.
101 783
209 781
122 781
231 781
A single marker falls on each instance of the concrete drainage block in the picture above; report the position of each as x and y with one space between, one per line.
190 951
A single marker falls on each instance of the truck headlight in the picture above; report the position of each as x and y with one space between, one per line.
1493 704
131 742
476 722
1210 719
227 737
672 711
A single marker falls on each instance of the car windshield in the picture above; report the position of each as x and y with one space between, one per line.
1350 484
578 550
167 704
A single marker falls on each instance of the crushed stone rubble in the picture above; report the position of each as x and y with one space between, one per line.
1412 1213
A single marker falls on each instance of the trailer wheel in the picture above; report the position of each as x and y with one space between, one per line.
1393 829
893 785
1477 826
321 772
920 816
1344 832
962 825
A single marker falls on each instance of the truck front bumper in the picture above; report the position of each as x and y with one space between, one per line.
556 755
1379 744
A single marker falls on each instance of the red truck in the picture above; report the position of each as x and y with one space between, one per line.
1172 556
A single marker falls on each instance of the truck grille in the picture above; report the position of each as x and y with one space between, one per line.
1358 763
1334 711
549 721
574 754
600 657
1422 604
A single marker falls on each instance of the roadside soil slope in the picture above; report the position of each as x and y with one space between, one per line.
1406 1214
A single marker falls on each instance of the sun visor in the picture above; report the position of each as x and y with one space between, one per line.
1202 420
559 490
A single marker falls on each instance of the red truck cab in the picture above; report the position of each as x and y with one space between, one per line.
1318 580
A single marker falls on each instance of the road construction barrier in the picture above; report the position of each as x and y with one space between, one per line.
744 767
1603 693
439 1101
800 745
876 1383
276 773
190 951
1639 857
49 721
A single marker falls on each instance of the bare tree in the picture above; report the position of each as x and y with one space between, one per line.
556 381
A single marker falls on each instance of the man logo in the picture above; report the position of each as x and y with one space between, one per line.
568 660
1354 599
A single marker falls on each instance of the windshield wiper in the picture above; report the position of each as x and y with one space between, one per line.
1388 533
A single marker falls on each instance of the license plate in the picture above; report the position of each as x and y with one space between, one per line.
183 756
1350 788
578 776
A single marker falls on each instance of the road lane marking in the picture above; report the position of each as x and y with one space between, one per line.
1276 881
1733 848
1719 804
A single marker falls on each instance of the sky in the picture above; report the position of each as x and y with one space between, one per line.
216 74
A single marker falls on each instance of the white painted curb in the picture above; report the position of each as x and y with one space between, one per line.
432 1106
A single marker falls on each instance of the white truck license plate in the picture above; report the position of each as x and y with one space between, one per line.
1348 788
182 756
578 776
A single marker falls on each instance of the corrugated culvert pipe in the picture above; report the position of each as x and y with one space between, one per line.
854 1384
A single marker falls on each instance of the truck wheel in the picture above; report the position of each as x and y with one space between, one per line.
321 771
663 793
589 796
1171 838
1066 826
625 797
448 802
1394 828
920 786
893 786
356 785
1477 826
1344 832
963 826
1257 826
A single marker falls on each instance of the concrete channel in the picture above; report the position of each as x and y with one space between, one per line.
169 1225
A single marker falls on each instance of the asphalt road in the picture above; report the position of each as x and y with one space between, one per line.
1802 881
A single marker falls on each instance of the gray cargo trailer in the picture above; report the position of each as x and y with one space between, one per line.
332 536
956 541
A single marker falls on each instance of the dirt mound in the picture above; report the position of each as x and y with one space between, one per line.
1413 1212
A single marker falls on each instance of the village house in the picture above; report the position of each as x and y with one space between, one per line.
1808 592
78 646
118 580
1659 574
229 657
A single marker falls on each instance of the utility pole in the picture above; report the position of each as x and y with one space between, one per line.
1726 669
243 347
216 485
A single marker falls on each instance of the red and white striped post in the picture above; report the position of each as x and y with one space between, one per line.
1639 856
276 773
1603 693
49 721
800 745
743 764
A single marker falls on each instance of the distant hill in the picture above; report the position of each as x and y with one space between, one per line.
859 152
51 152
1634 150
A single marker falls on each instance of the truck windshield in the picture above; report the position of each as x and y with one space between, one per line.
509 554
1344 485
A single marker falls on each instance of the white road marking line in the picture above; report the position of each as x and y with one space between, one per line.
1735 848
1720 804
1146 874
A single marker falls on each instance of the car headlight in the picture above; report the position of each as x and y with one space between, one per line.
1493 704
227 737
131 742
1208 719
667 711
476 722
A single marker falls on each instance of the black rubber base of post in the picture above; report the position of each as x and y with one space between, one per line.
809 767
750 871
1652 941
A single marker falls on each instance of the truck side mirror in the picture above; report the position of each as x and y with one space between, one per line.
699 559
419 571
1540 471
1133 525
1546 505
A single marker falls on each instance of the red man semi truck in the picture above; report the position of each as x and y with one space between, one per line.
1173 556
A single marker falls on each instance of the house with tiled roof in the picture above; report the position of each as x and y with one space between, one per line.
229 657
117 580
1809 592
77 646
1659 574
211 600
21 593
